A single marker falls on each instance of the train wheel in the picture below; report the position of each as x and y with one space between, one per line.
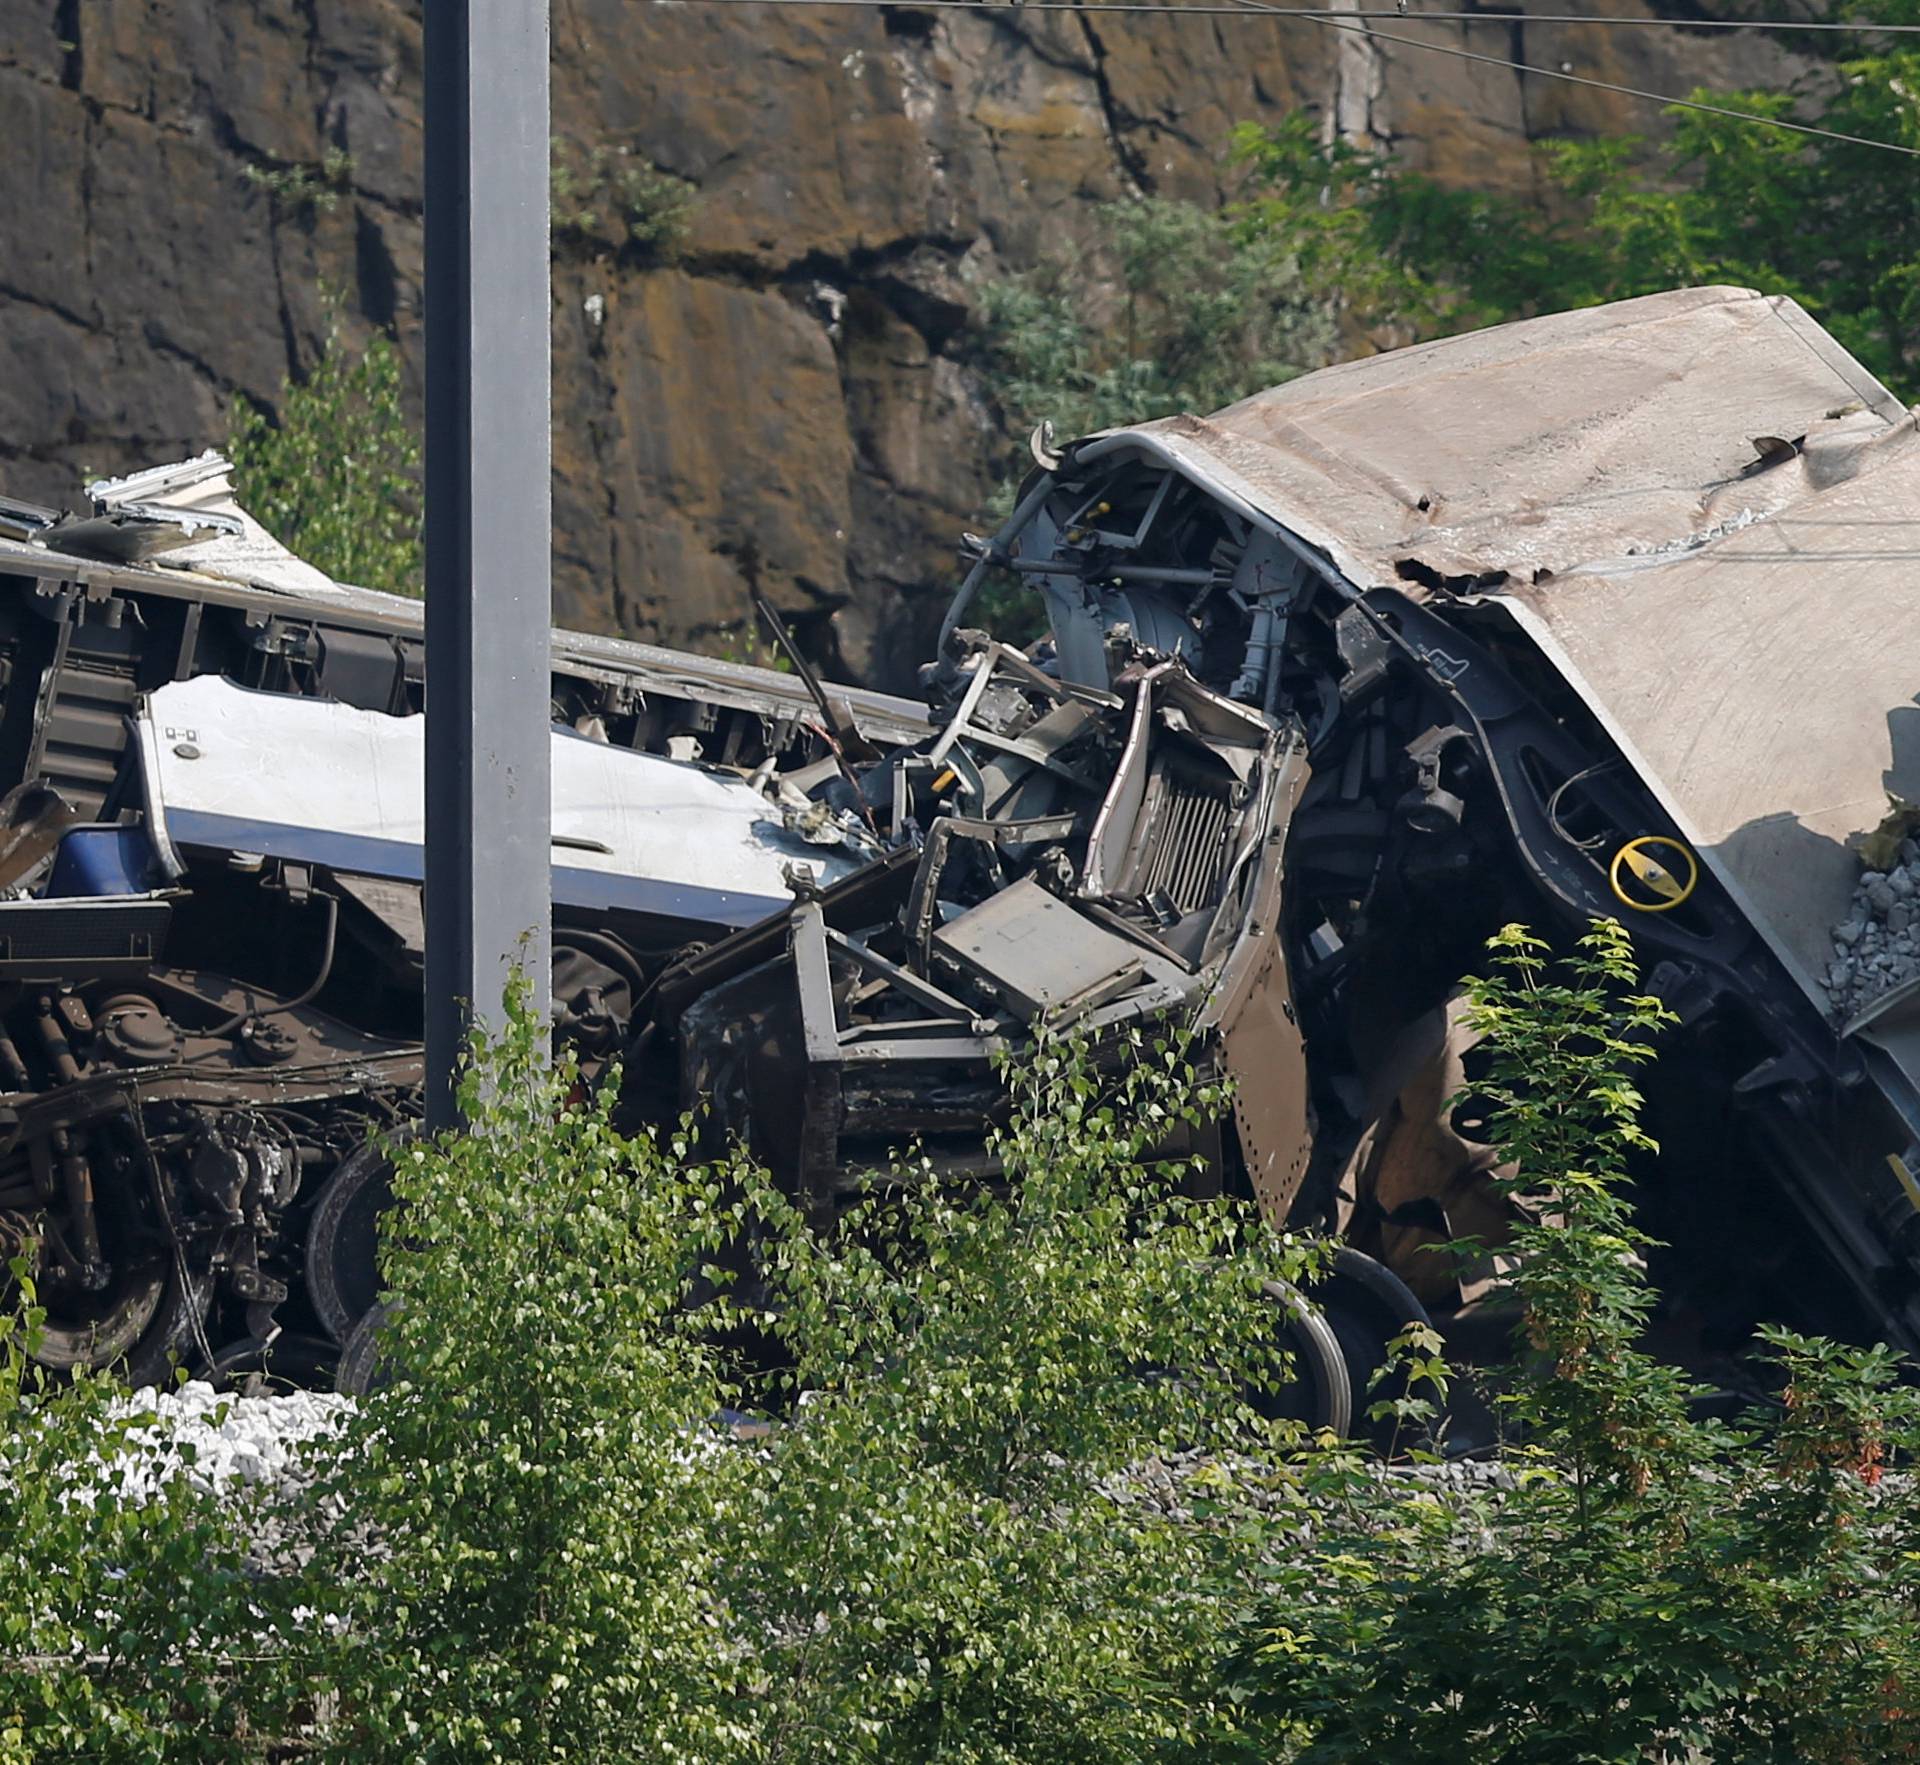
343 1239
94 1330
288 1363
1366 1305
1320 1394
363 1368
142 1322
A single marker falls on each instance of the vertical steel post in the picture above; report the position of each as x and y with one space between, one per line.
489 519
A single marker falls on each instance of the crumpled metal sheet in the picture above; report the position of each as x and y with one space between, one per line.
1767 686
1609 432
1703 511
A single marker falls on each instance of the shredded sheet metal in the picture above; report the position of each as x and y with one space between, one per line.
1607 432
213 534
1744 616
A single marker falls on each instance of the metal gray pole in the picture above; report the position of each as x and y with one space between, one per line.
489 519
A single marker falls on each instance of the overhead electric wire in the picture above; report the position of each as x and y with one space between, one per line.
1211 9
1554 73
1339 21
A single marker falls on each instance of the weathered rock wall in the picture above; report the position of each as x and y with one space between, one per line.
787 405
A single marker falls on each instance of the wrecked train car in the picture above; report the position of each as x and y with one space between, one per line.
1599 613
210 920
1604 613
1611 612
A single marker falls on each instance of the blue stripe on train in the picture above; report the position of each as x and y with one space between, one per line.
591 890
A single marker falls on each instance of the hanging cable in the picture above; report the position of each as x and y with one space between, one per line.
1209 9
251 1013
1339 21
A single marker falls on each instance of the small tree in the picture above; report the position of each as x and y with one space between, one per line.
1653 1586
980 1540
333 475
955 1527
127 1608
1176 307
524 1563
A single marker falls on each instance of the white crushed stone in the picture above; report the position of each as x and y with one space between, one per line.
1877 946
219 1442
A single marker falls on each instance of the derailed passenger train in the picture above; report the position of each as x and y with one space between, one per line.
211 934
1595 614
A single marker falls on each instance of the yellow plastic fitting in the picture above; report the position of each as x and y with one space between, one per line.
1636 858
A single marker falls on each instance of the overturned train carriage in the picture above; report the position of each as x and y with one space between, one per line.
210 920
1609 612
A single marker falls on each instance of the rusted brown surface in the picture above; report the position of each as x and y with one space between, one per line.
1260 1041
1420 1178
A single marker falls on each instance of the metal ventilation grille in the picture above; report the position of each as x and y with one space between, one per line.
48 941
84 733
1188 849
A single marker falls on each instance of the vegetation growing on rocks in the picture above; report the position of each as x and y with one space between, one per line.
616 196
1829 222
1324 243
1176 308
297 189
333 472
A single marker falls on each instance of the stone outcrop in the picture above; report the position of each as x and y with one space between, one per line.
789 402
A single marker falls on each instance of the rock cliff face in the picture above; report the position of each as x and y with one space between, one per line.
789 403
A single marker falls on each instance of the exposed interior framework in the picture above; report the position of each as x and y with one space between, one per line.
1273 777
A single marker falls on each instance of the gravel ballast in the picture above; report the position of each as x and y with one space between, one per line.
1877 946
235 1443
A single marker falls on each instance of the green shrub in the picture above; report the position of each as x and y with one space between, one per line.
298 189
127 1615
333 473
968 1546
610 195
1183 306
530 1571
998 1495
935 1545
656 206
1830 222
1173 308
1654 1586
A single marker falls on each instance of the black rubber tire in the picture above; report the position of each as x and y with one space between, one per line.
145 1332
1320 1394
1366 1305
363 1367
342 1267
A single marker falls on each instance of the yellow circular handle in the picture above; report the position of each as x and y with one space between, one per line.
1636 857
